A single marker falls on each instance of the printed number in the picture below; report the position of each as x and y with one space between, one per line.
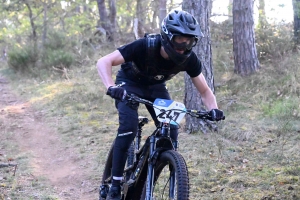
169 115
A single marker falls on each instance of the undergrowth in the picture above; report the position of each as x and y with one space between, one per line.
254 155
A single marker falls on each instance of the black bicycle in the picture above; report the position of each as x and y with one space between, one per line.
155 170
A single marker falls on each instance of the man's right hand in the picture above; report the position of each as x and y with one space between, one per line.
116 92
217 115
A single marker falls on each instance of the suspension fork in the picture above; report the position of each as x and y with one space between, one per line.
150 175
172 183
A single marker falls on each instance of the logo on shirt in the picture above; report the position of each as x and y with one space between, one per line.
159 77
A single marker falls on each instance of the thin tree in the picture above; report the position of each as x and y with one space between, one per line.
112 18
262 19
155 9
105 21
202 11
296 8
140 18
159 9
45 24
230 7
162 9
244 49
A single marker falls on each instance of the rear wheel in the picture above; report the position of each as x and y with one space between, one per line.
106 176
171 179
130 159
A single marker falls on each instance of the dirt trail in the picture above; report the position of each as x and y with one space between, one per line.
49 157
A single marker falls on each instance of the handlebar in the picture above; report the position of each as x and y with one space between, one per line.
206 115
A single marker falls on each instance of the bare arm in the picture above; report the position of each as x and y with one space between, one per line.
104 67
207 95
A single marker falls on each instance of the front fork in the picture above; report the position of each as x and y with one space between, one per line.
150 176
151 165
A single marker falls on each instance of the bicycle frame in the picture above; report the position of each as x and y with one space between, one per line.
146 157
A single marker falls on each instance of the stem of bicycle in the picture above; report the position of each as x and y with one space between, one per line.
150 175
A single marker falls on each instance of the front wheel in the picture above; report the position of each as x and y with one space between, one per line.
171 179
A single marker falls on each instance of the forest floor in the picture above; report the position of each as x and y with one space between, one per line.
55 133
51 164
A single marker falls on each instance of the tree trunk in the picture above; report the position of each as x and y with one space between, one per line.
140 18
104 21
244 49
34 34
296 8
201 11
262 19
45 25
155 9
33 26
112 17
162 10
230 7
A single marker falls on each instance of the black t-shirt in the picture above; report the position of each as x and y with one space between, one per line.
138 69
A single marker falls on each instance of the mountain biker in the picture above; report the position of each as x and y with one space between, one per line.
144 72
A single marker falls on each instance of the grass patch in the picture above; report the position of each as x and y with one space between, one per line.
254 155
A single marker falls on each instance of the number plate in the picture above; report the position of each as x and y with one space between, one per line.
169 111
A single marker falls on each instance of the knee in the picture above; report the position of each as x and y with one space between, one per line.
123 141
127 124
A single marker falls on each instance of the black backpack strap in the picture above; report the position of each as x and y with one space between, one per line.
153 48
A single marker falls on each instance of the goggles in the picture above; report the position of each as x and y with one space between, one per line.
183 43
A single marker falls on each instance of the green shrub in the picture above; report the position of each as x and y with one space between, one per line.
57 51
57 40
274 41
22 58
58 58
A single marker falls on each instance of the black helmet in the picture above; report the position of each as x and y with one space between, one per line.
179 22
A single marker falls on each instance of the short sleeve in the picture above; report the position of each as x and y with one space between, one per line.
133 51
194 66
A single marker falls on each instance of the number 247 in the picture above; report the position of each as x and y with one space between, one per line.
169 115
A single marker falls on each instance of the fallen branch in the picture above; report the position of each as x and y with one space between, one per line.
63 70
7 165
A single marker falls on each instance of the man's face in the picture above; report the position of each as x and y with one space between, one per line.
182 43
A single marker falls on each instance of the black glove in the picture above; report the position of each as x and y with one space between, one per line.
216 115
116 92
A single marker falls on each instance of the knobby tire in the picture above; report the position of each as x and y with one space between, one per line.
108 166
130 158
170 160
